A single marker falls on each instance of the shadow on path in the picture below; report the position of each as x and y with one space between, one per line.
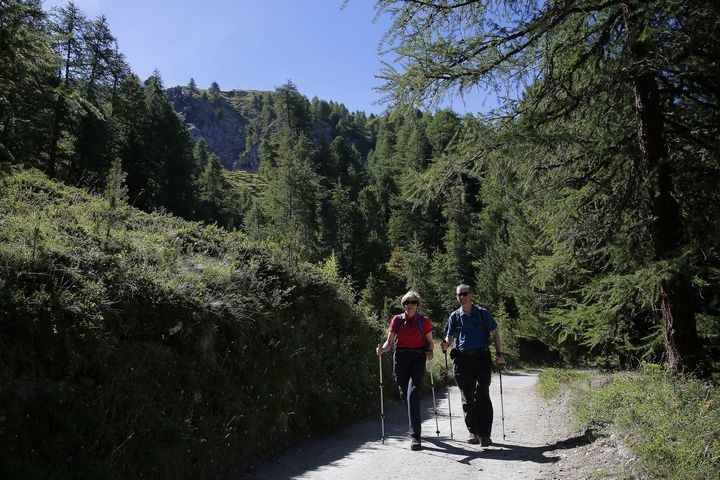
362 438
506 451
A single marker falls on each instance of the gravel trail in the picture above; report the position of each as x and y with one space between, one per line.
539 444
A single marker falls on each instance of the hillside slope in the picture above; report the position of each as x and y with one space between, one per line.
141 345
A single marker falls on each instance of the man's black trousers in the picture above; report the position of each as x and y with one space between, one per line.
472 375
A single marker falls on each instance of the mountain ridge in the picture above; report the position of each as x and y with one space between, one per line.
233 123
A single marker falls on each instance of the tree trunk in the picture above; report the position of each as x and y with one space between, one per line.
666 230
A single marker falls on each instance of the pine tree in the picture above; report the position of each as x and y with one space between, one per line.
212 188
68 24
373 244
214 92
88 79
292 202
99 47
292 109
26 64
441 129
116 197
172 169
345 165
129 136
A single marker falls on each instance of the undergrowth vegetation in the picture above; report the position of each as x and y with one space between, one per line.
141 345
671 423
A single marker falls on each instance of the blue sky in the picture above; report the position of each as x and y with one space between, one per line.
326 51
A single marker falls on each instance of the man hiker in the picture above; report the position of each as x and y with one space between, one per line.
471 327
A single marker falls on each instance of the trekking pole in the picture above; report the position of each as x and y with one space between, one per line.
382 407
432 386
502 408
448 396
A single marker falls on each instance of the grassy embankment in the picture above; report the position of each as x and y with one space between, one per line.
137 345
672 424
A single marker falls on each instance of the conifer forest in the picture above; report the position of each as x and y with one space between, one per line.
146 285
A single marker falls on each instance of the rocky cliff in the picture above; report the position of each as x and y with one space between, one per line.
220 121
229 120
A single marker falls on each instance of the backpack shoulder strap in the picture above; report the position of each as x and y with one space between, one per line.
485 328
422 332
484 323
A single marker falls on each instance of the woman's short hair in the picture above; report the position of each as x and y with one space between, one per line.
410 295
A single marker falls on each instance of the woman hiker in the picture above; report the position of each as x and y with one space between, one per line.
414 346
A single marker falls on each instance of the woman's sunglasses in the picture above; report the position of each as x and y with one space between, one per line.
463 294
410 302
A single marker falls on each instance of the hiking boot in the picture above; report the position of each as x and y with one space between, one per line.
474 439
485 441
415 443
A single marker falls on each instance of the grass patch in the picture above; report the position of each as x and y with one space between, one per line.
671 423
246 182
554 381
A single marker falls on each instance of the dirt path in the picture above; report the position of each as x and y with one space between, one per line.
539 444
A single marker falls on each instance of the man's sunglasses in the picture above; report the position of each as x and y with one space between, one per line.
410 302
463 294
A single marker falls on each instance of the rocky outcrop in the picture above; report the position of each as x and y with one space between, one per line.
219 121
224 121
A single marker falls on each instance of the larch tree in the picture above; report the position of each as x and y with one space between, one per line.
26 62
563 53
292 109
129 135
